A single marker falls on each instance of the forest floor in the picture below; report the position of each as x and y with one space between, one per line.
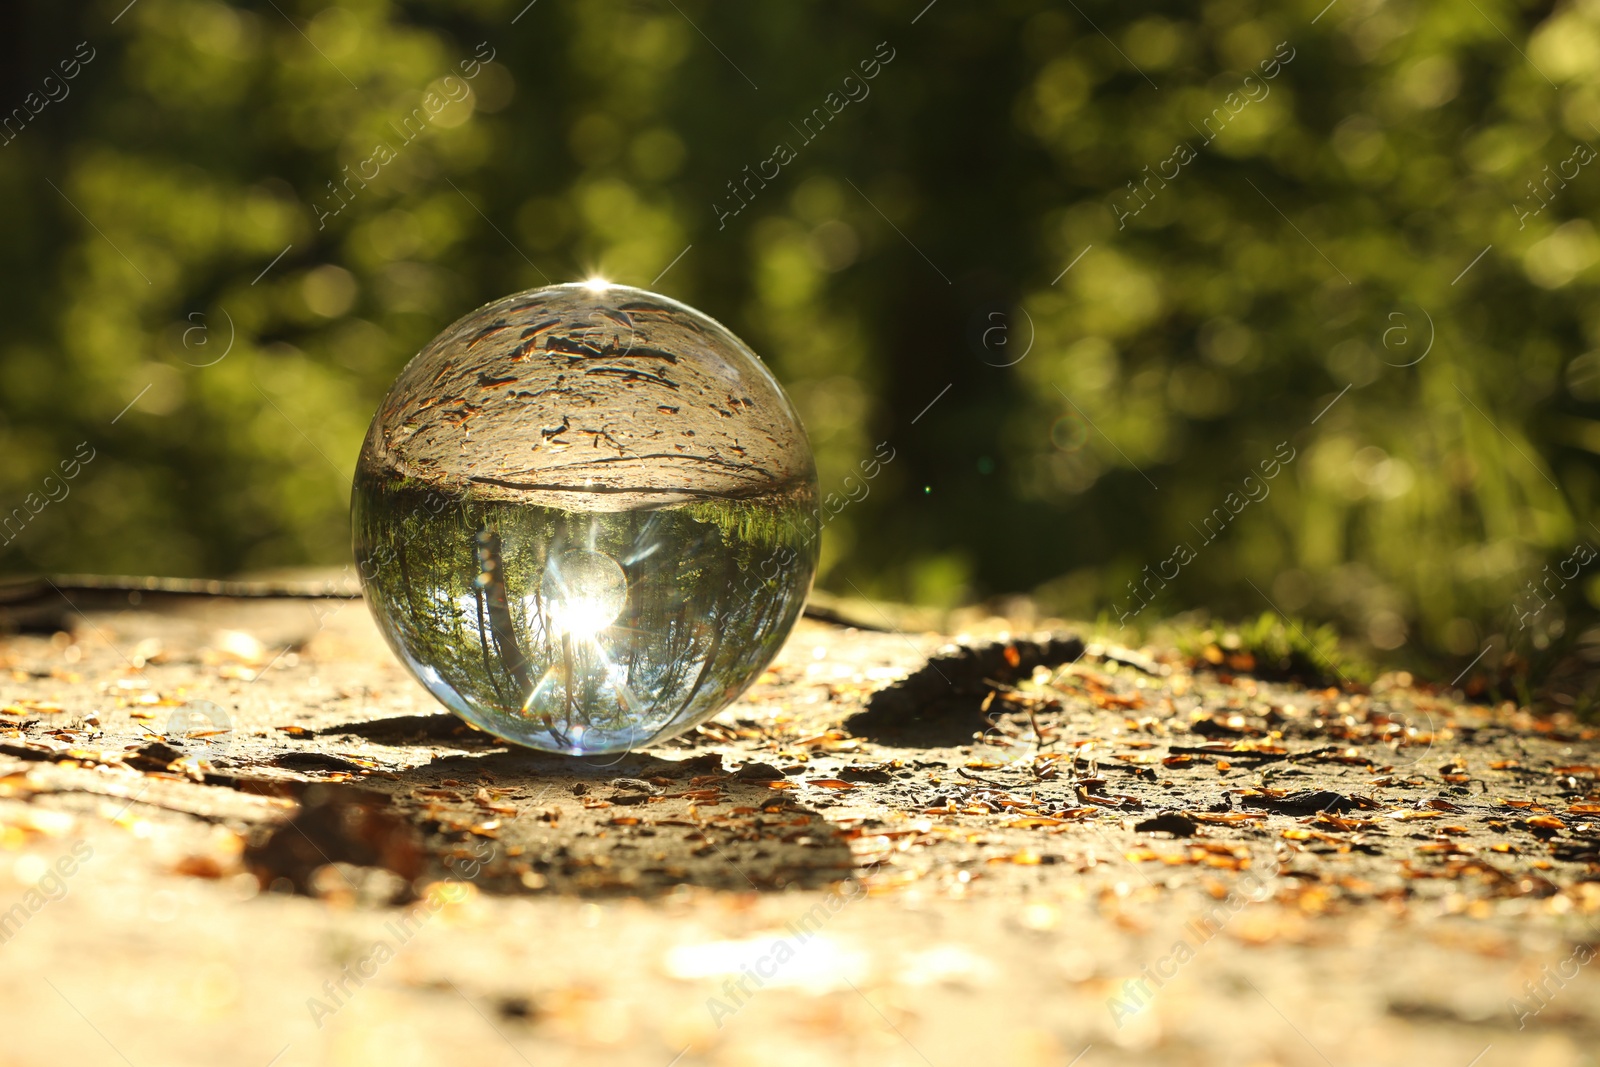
897 848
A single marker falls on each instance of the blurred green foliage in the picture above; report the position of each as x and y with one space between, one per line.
1314 233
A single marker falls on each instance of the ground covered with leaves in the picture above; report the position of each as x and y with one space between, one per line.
236 832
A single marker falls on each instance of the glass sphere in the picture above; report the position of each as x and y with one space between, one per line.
586 517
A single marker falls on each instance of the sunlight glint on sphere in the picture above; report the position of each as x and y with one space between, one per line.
585 517
588 592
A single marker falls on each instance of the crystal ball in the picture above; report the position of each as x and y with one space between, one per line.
586 517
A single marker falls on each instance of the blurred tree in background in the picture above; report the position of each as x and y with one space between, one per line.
1357 236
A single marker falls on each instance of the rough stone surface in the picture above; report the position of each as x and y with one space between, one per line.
896 849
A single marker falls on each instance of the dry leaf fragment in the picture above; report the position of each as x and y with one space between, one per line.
1312 835
489 803
1339 822
24 707
199 867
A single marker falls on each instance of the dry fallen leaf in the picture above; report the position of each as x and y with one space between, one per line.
25 707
